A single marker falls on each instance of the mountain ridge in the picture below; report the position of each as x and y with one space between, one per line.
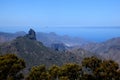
35 53
46 38
109 49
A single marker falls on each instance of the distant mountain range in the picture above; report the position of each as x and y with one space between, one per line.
35 53
6 37
109 49
51 38
47 39
50 48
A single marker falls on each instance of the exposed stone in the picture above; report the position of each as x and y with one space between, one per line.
31 34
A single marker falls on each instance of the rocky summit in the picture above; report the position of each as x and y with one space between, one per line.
35 53
31 34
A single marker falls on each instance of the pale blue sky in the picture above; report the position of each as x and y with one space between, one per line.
60 12
22 14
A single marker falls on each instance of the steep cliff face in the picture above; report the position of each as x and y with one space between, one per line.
31 50
35 53
48 39
31 34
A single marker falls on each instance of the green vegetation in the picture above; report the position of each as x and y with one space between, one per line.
10 67
91 68
101 69
38 73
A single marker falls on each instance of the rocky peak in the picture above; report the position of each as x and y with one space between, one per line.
31 34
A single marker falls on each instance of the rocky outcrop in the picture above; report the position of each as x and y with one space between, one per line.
31 34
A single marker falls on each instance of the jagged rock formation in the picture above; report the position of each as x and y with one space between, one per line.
31 35
35 53
46 38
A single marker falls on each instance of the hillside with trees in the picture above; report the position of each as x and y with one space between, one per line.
11 67
91 68
35 53
43 63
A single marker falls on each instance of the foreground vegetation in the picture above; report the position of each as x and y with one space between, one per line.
91 68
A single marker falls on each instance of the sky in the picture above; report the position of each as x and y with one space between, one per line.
62 16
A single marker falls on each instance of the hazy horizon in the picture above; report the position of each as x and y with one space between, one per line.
96 34
89 19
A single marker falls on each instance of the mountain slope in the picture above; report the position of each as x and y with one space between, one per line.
32 51
109 49
35 53
52 38
46 38
6 37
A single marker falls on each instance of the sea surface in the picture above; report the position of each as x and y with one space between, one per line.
96 33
